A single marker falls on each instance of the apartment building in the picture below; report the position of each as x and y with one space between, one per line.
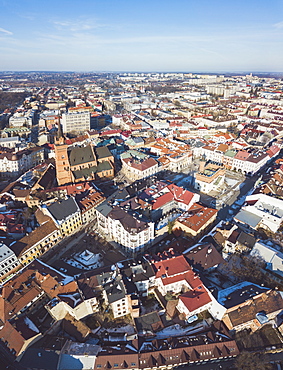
8 261
65 214
15 163
75 121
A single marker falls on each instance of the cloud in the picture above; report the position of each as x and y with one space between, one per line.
78 25
6 31
278 25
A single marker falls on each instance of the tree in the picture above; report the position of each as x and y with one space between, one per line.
250 268
252 361
170 226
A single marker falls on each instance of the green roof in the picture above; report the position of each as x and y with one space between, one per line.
85 172
102 152
103 166
133 153
90 171
80 155
230 153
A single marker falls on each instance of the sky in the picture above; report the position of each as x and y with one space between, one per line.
141 35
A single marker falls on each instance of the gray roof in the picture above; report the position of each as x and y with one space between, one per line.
246 239
104 208
79 155
248 218
128 221
38 358
115 290
63 209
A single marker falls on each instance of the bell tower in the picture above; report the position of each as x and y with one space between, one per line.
63 171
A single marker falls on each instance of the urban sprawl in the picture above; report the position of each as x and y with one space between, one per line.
141 220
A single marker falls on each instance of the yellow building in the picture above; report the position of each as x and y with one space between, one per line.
37 242
195 220
66 215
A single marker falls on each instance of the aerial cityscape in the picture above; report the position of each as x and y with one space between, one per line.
141 185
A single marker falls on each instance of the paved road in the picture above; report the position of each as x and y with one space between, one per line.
246 186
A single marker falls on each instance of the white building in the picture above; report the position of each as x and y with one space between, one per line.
130 232
8 261
272 257
137 166
261 210
10 142
75 121
14 164
198 300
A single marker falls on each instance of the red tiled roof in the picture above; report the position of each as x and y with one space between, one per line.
163 199
197 216
181 194
171 266
196 298
190 277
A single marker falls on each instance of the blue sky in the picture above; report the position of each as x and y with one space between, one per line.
147 35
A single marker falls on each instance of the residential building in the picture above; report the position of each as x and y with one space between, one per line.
15 163
37 242
132 233
65 214
88 205
75 121
254 312
195 220
261 211
22 297
209 178
8 262
136 165
272 257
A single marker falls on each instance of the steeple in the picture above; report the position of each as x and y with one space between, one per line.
60 139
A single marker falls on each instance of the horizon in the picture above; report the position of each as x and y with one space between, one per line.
243 72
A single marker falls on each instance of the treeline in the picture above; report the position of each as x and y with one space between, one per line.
11 99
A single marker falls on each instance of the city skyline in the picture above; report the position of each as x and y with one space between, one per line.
143 36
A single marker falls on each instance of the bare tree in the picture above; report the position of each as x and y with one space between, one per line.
252 361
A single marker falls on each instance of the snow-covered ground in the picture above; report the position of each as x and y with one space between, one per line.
85 260
213 277
231 182
129 329
177 330
165 221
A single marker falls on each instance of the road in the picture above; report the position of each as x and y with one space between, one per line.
247 185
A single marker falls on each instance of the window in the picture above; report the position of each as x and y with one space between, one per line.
98 366
116 365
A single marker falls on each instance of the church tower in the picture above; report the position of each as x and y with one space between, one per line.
63 171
